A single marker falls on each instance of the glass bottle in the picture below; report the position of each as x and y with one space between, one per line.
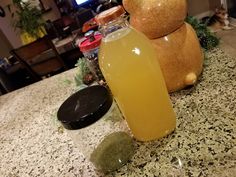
129 64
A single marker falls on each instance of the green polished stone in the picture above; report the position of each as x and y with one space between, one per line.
113 152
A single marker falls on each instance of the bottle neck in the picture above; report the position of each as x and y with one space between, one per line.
113 26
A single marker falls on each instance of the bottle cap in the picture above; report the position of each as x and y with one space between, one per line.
85 107
109 15
91 42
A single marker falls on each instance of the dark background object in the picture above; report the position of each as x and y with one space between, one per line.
5 82
84 15
40 58
232 8
2 12
13 76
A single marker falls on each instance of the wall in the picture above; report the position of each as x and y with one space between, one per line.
214 4
8 29
5 2
6 22
5 46
196 7
52 15
202 8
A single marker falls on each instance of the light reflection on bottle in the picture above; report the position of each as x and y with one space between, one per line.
136 51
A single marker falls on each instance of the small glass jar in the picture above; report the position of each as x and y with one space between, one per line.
90 48
97 128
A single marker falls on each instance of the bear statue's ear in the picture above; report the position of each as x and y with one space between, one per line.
2 12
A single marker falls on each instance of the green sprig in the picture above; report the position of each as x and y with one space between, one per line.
206 38
82 71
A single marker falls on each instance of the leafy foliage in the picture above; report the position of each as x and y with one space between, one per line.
83 70
28 19
16 1
207 39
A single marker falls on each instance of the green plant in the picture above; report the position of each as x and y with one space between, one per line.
207 39
28 19
16 1
84 75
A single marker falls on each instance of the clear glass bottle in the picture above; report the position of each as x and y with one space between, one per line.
129 64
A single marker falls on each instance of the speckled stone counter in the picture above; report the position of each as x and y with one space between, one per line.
204 143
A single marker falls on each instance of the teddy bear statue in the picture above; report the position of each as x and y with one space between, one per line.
176 43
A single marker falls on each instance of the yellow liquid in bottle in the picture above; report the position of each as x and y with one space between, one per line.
130 67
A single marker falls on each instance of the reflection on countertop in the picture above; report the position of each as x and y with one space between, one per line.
202 145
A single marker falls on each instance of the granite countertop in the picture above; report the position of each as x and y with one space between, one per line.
204 143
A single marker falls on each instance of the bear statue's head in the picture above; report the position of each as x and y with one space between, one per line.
156 18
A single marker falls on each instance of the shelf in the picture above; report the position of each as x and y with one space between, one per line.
44 11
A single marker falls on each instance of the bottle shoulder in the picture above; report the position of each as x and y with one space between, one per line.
118 34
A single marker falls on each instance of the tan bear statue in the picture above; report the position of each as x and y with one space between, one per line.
177 46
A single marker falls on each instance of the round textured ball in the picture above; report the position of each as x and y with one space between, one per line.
113 152
156 18
180 57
